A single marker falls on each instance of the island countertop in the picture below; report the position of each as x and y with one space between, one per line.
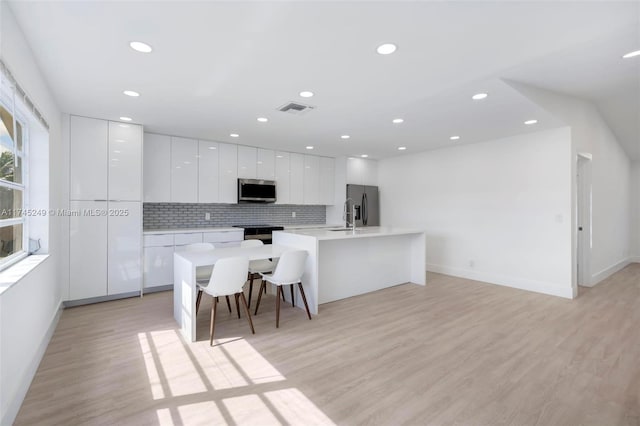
364 232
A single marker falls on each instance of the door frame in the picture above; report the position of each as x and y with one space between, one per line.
583 219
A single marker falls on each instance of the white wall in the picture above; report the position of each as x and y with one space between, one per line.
611 178
635 211
29 309
497 211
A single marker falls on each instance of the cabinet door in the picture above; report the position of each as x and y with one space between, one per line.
158 266
283 191
87 250
125 247
265 164
208 172
296 175
311 179
362 172
125 162
184 170
327 179
228 173
157 168
247 158
88 158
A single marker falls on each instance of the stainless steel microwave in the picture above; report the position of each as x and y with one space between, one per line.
256 191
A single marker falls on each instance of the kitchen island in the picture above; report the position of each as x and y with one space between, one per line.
345 263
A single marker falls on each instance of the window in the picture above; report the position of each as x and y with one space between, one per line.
13 226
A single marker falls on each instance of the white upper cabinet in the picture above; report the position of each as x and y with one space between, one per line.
125 162
283 191
228 160
327 179
311 179
247 162
296 176
88 158
157 167
208 172
265 164
184 170
362 172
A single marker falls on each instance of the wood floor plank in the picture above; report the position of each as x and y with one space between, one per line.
455 352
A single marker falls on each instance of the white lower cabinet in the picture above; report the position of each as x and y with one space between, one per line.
105 248
87 250
124 256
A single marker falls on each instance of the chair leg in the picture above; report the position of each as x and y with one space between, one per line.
228 304
262 285
282 294
304 299
278 306
213 322
237 305
246 309
293 301
250 288
198 299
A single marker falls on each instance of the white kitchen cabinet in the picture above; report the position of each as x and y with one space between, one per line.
125 160
87 250
265 164
283 186
208 172
247 162
296 177
184 170
124 247
157 168
327 179
311 191
158 260
362 172
187 238
88 158
219 238
228 183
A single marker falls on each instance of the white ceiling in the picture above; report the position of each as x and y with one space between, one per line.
217 66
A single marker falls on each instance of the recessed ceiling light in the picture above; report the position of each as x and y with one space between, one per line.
263 119
306 94
345 137
454 138
631 54
234 135
529 122
386 49
398 120
126 118
279 156
479 96
212 147
140 47
309 147
402 148
131 93
364 156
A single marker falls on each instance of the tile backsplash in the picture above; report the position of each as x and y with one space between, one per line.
174 215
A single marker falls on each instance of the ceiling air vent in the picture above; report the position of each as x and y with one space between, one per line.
296 108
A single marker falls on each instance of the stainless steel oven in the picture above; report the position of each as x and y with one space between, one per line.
259 232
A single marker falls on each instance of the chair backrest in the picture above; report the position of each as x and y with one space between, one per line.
197 247
228 276
251 243
290 267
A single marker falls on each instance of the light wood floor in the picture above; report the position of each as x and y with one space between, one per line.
454 352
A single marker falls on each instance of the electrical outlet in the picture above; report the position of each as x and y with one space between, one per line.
293 214
207 216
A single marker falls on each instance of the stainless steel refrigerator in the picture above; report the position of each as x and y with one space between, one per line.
366 197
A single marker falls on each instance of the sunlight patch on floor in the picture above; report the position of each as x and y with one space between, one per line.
152 370
250 409
296 408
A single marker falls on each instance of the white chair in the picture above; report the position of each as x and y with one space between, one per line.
203 273
228 278
289 271
256 267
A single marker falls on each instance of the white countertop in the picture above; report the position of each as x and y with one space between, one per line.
188 230
317 226
364 232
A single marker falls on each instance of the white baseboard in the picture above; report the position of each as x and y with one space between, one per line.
607 272
634 259
13 407
519 283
